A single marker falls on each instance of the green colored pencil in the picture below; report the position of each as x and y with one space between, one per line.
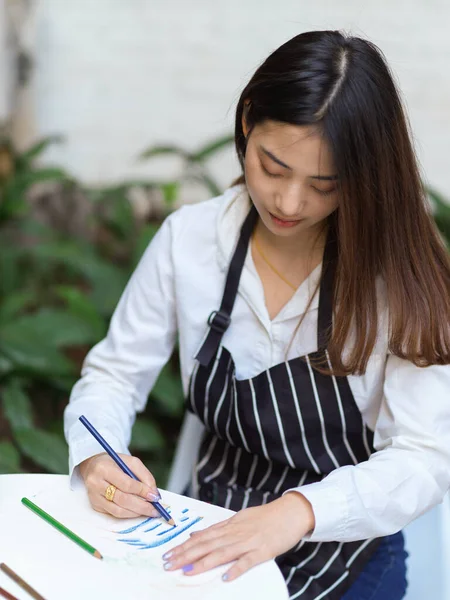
60 527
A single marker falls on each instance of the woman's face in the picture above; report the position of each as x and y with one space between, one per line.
290 177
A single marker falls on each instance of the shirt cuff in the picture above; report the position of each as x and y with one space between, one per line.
85 448
330 507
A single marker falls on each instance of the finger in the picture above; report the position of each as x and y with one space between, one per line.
105 469
243 564
129 485
220 556
135 504
194 541
211 530
105 506
195 553
130 502
141 471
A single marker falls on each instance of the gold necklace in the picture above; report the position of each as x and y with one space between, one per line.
274 269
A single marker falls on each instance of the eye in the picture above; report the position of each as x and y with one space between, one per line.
324 192
268 173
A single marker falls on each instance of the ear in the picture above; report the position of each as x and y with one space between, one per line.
246 110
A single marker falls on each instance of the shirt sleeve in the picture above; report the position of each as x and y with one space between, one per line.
408 474
119 372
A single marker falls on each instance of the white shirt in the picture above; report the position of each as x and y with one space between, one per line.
177 284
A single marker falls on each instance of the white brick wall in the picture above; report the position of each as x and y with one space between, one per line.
115 76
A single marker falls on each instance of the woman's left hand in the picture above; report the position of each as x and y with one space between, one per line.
250 537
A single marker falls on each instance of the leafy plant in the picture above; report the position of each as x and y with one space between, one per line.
57 294
26 351
194 165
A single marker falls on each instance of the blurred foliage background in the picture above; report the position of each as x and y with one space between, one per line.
62 271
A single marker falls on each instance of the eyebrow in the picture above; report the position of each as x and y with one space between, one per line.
284 165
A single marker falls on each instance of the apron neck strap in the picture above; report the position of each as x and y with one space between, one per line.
219 320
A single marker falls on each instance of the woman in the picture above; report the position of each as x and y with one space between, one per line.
311 302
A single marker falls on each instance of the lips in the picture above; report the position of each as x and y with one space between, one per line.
283 222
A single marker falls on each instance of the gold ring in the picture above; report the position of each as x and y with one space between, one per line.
109 493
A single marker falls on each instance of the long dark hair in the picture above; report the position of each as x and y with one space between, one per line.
343 86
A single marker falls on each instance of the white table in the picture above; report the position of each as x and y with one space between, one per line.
53 574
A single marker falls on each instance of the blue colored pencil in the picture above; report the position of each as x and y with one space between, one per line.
116 458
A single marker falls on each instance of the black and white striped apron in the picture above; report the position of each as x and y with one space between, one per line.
287 426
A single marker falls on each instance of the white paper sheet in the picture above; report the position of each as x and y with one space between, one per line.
132 549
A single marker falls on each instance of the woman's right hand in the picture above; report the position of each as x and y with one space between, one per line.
132 498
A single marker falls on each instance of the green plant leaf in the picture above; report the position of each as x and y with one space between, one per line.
205 179
144 238
170 192
55 426
444 227
107 281
13 204
107 289
14 200
6 366
80 305
159 466
64 384
163 150
31 354
43 448
119 213
75 255
31 228
58 328
9 459
21 182
11 275
146 436
441 210
13 304
438 199
28 178
168 392
211 148
23 160
17 406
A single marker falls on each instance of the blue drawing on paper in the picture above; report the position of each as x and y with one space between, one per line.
153 527
131 529
149 538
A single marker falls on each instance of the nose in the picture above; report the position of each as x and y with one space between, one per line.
290 202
